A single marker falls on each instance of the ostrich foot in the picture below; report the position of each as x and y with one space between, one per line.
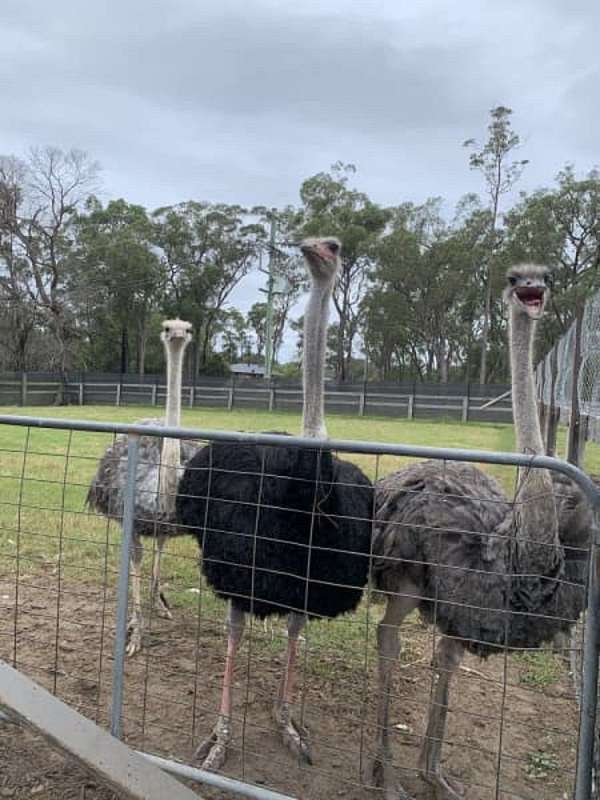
446 788
213 750
294 735
384 777
134 637
161 606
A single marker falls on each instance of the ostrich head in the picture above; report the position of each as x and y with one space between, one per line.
528 289
323 257
176 331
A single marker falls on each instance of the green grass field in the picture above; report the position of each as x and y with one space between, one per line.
43 521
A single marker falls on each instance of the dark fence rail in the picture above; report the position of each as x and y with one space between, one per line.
457 401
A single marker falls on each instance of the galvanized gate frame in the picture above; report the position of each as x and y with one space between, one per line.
585 750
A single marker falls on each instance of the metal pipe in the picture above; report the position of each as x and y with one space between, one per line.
341 445
589 694
213 779
116 711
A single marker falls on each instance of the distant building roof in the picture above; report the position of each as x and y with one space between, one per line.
247 369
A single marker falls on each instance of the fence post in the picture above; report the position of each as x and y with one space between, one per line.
154 391
192 396
589 692
81 390
271 396
362 400
118 397
411 404
23 388
231 396
116 709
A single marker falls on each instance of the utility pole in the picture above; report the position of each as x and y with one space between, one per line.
270 294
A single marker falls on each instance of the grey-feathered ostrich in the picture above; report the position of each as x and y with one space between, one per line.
284 531
487 573
158 474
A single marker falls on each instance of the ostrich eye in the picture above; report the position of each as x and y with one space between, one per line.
512 279
333 246
167 330
548 279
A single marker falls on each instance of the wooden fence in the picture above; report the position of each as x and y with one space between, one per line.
452 401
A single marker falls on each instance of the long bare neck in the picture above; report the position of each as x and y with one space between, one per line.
538 528
315 343
170 456
526 419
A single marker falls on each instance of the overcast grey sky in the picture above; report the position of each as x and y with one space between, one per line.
239 100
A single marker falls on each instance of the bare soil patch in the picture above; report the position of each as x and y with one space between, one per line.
172 694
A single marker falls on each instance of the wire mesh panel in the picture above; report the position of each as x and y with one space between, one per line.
276 526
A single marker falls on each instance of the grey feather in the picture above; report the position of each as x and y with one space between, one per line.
451 531
107 491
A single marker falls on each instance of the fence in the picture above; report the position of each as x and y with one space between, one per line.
412 400
64 576
568 378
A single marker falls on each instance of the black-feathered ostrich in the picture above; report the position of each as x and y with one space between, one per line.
488 574
158 473
285 531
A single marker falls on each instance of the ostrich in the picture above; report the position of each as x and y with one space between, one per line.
488 574
157 478
284 531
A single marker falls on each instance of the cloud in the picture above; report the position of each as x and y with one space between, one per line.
240 100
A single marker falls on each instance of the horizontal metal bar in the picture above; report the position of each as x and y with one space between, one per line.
114 763
341 445
213 779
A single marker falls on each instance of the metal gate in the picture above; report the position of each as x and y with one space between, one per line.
65 580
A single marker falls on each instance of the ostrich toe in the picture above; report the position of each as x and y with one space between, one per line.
295 736
161 606
213 750
134 637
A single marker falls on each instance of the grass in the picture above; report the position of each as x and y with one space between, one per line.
538 669
44 476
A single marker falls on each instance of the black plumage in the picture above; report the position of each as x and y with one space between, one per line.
297 539
283 530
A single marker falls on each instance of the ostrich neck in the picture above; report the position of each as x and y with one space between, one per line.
527 425
537 532
315 342
170 455
171 450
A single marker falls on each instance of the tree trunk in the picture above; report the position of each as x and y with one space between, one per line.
142 355
574 441
124 350
487 312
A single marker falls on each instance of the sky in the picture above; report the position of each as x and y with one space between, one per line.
238 101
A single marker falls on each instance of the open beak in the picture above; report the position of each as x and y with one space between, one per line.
532 299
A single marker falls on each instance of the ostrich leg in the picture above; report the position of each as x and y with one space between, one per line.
294 735
388 646
134 629
447 657
158 596
213 750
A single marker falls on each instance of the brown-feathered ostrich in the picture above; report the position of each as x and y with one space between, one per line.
284 531
487 573
158 473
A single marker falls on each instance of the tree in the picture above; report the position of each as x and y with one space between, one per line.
40 200
206 249
500 174
330 206
561 227
116 257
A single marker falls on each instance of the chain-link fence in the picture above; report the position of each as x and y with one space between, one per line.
513 727
575 357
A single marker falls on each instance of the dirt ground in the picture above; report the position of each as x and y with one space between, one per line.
172 693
